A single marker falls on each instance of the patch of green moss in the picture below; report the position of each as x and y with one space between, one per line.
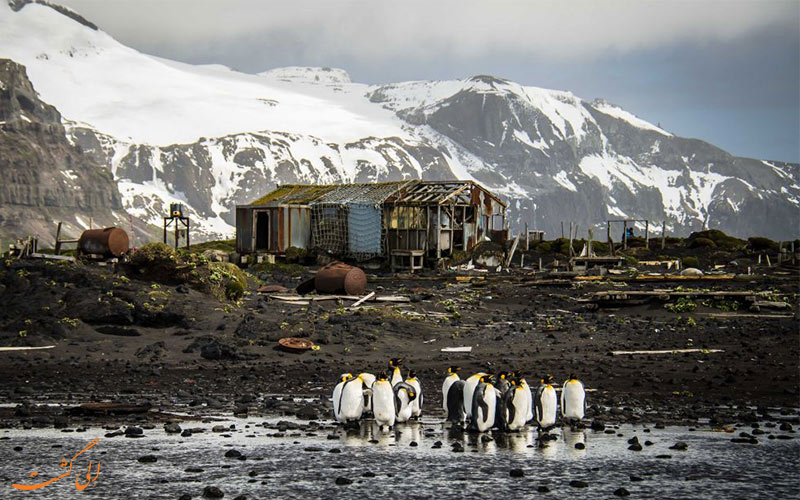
759 244
690 262
293 270
224 245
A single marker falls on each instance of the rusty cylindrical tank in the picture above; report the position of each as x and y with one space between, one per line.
109 242
339 277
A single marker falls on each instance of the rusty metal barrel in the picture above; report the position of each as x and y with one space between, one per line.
339 277
108 242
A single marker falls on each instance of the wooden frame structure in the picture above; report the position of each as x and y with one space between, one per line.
363 221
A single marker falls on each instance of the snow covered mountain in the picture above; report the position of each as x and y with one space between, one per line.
212 137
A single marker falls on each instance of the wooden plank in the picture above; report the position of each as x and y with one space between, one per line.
363 299
457 349
26 348
513 249
667 351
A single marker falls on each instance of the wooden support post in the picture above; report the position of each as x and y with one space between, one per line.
187 232
176 232
610 241
438 231
571 253
589 252
540 263
58 240
647 234
527 240
625 235
663 235
562 228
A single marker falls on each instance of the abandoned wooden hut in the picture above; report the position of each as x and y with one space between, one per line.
409 220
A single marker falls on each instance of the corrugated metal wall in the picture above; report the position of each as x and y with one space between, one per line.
244 230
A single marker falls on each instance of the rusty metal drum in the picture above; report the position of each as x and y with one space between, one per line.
339 277
109 242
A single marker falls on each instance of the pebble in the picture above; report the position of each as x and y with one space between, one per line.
233 454
516 473
186 433
134 432
636 478
368 474
576 483
185 496
172 428
680 446
543 489
622 492
635 447
147 459
413 443
212 492
343 481
580 446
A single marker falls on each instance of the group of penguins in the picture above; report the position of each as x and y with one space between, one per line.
481 402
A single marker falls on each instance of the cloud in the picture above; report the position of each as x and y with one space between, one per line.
428 30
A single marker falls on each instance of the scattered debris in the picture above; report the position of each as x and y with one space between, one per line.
340 277
294 344
668 351
4 349
362 300
457 349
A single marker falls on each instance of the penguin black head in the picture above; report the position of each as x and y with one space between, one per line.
572 377
345 377
395 362
487 379
453 369
382 376
547 379
503 375
412 374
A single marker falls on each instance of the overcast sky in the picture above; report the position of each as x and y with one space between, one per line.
724 71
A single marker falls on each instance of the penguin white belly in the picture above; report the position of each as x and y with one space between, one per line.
573 398
548 405
405 409
448 381
486 422
416 405
383 403
469 390
397 377
529 394
352 401
521 405
337 392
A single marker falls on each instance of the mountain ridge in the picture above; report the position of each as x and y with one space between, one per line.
211 137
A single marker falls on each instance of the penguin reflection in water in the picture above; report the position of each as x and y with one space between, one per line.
484 402
348 399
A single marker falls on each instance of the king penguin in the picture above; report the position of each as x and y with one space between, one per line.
383 402
469 389
337 393
502 386
394 367
416 404
527 388
351 401
545 404
452 376
516 403
573 399
484 401
404 397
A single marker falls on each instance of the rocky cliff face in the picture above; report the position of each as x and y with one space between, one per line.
43 177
